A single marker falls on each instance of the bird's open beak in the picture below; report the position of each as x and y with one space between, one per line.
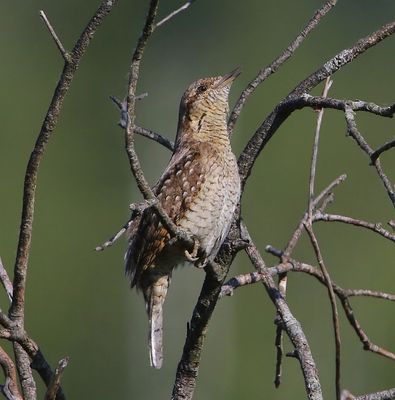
228 78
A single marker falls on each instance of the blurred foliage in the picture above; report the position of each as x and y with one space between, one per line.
78 302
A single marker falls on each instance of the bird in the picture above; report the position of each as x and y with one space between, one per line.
199 190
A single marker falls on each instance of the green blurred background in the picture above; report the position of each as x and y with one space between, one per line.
78 301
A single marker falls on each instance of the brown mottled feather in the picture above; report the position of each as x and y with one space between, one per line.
184 171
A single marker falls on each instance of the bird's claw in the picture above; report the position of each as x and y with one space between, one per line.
193 257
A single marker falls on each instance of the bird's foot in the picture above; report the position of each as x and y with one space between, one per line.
193 257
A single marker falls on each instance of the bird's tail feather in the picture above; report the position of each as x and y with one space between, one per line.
155 302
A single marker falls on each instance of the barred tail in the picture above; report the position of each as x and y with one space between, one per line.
155 299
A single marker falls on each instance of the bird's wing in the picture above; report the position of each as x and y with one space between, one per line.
175 190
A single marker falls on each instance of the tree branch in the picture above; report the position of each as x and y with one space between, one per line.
174 13
59 45
290 324
374 227
343 294
363 144
264 73
376 154
72 61
10 388
277 117
55 380
188 366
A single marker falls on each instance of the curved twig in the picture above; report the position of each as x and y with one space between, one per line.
264 73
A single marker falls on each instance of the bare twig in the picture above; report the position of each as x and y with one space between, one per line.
374 227
156 137
137 209
174 13
363 144
264 73
59 45
240 280
309 228
388 394
114 238
10 388
331 293
376 154
278 341
318 102
278 116
5 280
53 387
343 294
321 197
296 266
290 325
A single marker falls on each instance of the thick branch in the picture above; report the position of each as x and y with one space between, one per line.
188 367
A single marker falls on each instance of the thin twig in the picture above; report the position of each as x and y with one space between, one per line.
113 239
5 280
309 228
59 45
388 394
174 13
353 131
10 388
278 341
343 294
376 154
290 324
137 209
299 229
156 137
264 73
331 293
374 227
317 102
53 387
295 266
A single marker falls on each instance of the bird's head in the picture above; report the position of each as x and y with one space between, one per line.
204 105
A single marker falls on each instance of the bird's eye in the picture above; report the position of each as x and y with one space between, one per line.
201 88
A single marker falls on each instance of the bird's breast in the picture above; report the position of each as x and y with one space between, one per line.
210 213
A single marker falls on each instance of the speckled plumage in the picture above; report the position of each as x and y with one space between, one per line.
199 190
